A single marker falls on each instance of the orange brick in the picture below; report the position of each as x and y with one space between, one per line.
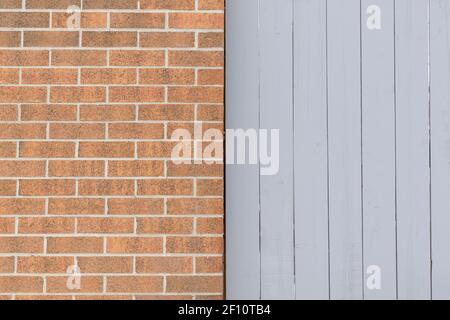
6 264
164 297
52 4
165 225
77 94
164 265
136 58
200 284
47 187
136 131
155 149
211 40
22 131
134 245
193 170
9 38
78 58
168 4
196 94
210 113
167 40
108 76
138 20
135 206
9 76
109 39
167 76
210 187
104 297
23 94
211 4
8 112
105 264
51 39
8 187
138 168
43 297
18 245
7 225
49 76
44 112
196 58
72 206
136 94
106 149
24 19
106 187
194 245
165 187
43 264
210 77
11 4
105 225
23 58
87 19
210 225
74 245
47 149
76 168
209 264
88 284
195 206
7 149
22 206
18 284
110 4
77 131
15 168
107 113
134 284
196 20
166 112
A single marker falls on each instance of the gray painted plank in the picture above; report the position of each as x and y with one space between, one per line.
413 171
440 150
344 134
310 150
242 187
378 127
276 112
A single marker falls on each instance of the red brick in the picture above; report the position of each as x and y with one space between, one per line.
107 113
71 206
138 20
164 225
134 245
72 168
45 187
209 264
105 264
52 4
105 225
51 39
167 40
210 225
195 206
44 112
74 245
88 284
196 58
78 58
211 4
23 58
194 245
8 187
47 149
201 284
135 206
77 94
13 168
108 76
196 94
134 284
18 284
45 225
24 19
106 187
136 94
77 131
7 225
136 58
106 149
9 39
166 76
43 264
168 4
166 112
18 245
174 187
196 20
49 76
22 206
109 39
6 264
110 4
23 94
138 168
164 265
136 131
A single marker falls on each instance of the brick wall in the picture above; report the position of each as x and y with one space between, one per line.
86 178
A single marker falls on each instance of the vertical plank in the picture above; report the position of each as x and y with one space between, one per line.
440 146
344 134
276 112
310 150
413 171
378 127
242 181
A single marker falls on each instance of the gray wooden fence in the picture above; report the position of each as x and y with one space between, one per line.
360 90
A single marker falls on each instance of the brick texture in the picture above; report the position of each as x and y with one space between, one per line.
86 175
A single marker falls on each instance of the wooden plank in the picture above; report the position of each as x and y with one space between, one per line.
440 146
344 134
413 167
276 112
242 181
310 150
378 127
